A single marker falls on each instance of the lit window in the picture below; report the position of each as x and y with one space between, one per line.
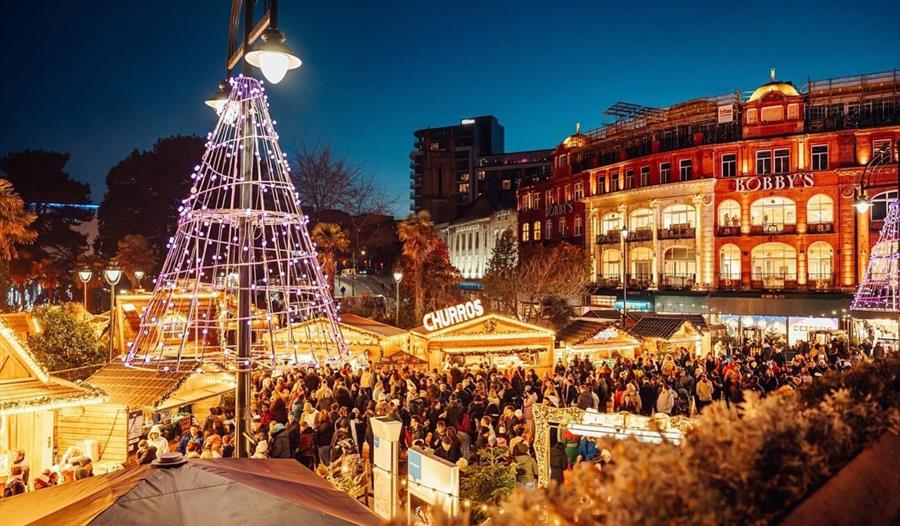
549 196
730 262
464 188
665 172
506 184
641 262
525 236
578 226
611 222
819 157
579 191
763 162
819 209
641 220
680 262
771 214
679 216
773 262
601 184
611 264
729 165
729 214
880 205
537 230
820 256
568 193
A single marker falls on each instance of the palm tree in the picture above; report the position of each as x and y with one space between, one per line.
15 221
419 241
330 239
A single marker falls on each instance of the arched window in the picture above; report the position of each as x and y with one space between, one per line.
820 258
773 263
880 204
730 262
773 214
640 262
729 214
611 222
611 264
562 227
882 264
525 236
679 266
549 229
819 210
641 220
679 216
537 230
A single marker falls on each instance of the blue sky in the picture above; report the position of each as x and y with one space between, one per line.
98 79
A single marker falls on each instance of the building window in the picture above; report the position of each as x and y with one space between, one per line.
614 181
821 264
549 233
601 184
611 264
563 231
629 179
578 226
645 175
641 263
729 214
782 161
537 200
537 230
763 162
579 191
752 116
730 262
773 263
819 156
463 188
729 165
568 193
880 205
481 175
506 184
881 147
611 222
435 146
525 236
665 172
549 195
685 169
772 214
641 220
679 216
819 210
680 262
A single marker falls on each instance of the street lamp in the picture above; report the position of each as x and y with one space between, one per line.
398 277
219 99
273 56
624 233
112 274
85 275
139 275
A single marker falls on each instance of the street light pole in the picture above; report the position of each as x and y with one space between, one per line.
112 274
624 233
398 277
85 276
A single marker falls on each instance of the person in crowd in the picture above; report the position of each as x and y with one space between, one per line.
146 453
158 441
279 442
526 466
193 435
15 484
47 479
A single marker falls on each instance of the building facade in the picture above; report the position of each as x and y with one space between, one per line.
739 207
471 238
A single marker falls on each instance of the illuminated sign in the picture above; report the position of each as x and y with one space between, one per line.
448 316
774 182
799 328
560 209
465 122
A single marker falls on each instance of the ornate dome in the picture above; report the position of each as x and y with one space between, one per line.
577 140
785 88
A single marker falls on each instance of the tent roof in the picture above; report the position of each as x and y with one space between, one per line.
136 387
370 325
580 330
658 327
34 395
234 491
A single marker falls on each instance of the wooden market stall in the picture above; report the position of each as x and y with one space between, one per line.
367 340
32 400
595 340
661 334
137 398
489 339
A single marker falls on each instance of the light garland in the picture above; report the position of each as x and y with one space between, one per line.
220 237
880 289
10 336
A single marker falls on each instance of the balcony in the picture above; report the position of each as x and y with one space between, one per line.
643 234
772 229
612 236
730 284
820 228
724 231
773 282
683 231
676 281
609 282
640 281
820 282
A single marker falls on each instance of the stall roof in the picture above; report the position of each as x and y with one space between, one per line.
580 330
370 325
136 387
697 320
658 326
233 491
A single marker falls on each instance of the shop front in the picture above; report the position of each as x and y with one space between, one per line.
459 336
596 341
665 334
367 340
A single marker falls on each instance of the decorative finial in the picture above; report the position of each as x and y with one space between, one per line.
772 74
577 127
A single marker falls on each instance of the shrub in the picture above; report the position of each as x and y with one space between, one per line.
66 340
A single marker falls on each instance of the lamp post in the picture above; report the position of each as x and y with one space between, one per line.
85 276
275 59
624 233
139 275
880 158
398 277
112 274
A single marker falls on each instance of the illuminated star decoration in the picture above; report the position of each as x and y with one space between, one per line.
192 316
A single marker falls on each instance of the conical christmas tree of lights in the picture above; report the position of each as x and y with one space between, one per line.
880 290
241 267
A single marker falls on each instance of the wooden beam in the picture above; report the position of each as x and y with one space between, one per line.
261 26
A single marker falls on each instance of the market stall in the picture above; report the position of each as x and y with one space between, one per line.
597 341
108 432
484 339
367 340
669 334
31 399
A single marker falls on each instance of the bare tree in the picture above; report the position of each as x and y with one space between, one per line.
558 271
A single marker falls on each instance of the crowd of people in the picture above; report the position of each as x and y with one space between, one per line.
320 416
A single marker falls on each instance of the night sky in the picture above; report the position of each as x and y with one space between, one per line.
98 79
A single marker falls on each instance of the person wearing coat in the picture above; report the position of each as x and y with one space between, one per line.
666 400
526 466
559 462
279 442
156 440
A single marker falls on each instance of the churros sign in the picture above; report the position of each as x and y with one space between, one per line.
448 316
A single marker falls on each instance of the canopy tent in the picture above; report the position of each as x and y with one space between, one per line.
234 491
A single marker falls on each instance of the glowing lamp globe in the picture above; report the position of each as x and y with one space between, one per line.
112 275
398 276
85 275
219 99
273 56
862 205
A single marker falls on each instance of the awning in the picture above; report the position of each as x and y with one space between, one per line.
816 305
493 349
